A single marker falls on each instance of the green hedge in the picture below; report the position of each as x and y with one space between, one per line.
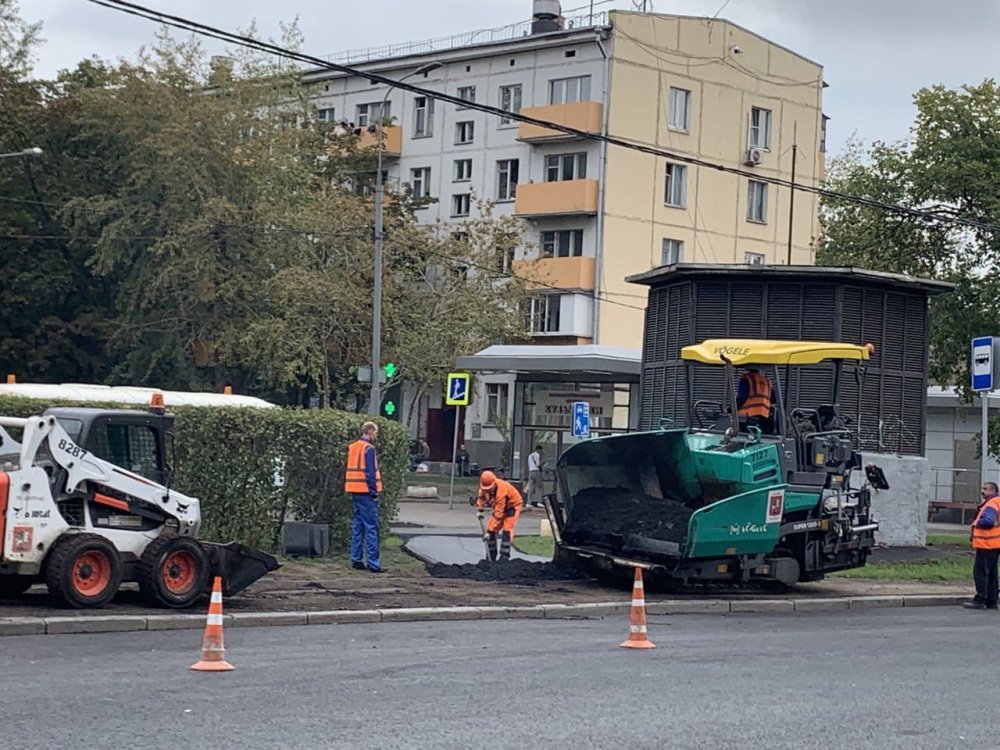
254 468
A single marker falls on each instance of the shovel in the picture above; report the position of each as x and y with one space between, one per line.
482 529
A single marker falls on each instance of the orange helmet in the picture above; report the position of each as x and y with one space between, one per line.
487 480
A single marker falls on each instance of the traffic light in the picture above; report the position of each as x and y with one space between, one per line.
390 370
392 400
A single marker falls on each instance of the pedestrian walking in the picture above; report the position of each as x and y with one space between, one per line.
985 537
505 502
535 485
363 481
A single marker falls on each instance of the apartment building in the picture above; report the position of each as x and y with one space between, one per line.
596 213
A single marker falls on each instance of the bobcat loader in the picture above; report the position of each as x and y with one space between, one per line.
84 524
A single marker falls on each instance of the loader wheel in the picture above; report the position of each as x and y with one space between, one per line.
83 570
173 571
12 587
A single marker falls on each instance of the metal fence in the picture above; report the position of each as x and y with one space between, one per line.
468 39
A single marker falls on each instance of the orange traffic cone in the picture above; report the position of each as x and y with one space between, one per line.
637 619
213 655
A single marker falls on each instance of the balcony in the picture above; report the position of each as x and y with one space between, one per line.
585 116
393 144
564 273
564 198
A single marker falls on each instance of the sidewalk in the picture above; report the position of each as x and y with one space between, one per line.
423 517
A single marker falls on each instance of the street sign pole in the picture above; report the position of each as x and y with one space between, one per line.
983 369
454 459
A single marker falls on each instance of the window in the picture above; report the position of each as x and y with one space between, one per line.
563 243
460 204
497 396
326 114
760 128
822 135
565 167
672 252
541 314
133 447
371 114
463 170
680 110
466 94
757 202
675 192
510 101
753 259
507 179
423 117
420 182
504 258
464 131
567 90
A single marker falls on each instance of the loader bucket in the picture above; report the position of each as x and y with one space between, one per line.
238 565
630 494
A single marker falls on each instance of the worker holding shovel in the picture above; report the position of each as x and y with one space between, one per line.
505 502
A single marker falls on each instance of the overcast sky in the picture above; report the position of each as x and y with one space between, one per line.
876 53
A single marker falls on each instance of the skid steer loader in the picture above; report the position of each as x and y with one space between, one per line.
85 504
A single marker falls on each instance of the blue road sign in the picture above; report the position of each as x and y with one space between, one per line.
982 363
457 393
581 419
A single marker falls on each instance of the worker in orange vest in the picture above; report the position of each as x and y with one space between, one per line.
754 398
986 541
505 502
363 481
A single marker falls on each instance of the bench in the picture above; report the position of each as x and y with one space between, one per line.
936 506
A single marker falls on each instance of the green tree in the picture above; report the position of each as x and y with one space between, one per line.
948 165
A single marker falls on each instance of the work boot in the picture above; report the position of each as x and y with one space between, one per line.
358 565
975 605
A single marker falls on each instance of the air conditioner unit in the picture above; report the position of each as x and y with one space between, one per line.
753 157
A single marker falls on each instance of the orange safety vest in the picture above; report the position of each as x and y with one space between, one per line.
987 538
758 402
354 478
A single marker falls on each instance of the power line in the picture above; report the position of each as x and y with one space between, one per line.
244 41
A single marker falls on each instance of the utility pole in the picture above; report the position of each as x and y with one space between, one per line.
375 397
791 196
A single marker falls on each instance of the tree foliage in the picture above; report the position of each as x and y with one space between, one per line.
948 165
194 224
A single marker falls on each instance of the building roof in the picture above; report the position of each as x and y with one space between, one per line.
770 352
801 273
585 360
949 398
124 394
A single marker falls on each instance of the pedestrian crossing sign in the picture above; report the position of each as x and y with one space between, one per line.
457 392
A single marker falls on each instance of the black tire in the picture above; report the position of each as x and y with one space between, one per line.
12 587
83 570
173 572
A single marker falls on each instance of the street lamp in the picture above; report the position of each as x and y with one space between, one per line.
33 151
375 399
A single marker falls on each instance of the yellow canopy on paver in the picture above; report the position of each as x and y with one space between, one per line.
767 352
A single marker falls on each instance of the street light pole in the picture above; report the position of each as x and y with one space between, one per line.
375 398
33 151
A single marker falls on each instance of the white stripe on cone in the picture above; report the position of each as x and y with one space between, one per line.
215 619
637 628
638 602
216 597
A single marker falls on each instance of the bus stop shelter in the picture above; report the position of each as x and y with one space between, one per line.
548 379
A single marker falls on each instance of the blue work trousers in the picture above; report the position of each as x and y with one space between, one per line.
364 531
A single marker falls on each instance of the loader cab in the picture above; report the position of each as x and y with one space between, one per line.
130 438
813 442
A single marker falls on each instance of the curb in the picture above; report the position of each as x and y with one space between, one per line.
589 610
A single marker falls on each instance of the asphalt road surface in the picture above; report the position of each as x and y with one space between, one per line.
914 679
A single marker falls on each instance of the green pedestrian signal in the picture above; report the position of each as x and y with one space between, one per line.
390 408
390 370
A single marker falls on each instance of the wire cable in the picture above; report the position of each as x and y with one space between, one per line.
195 27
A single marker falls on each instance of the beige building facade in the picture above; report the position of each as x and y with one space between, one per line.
595 213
